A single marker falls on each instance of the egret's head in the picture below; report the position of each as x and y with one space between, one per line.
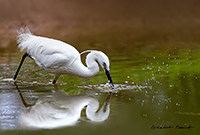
105 63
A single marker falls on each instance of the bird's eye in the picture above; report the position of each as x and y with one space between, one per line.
104 65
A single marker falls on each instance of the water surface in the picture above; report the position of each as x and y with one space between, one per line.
155 93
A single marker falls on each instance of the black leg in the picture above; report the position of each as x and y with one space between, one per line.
56 78
22 60
29 55
54 81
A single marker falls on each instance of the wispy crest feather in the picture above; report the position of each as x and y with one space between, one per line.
23 35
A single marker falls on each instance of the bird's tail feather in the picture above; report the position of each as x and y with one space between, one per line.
23 35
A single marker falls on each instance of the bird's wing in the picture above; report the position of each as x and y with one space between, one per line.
48 53
55 60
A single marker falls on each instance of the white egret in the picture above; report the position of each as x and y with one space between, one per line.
57 109
60 58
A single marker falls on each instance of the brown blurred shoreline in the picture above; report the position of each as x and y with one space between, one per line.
132 22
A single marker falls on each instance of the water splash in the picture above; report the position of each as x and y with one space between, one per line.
117 87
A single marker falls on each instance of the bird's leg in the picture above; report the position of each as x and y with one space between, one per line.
56 78
21 96
30 56
22 60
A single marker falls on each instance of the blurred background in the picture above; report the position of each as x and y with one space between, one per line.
93 24
153 47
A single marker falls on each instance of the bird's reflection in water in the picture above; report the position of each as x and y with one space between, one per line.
57 109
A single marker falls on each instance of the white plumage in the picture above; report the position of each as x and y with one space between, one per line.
59 57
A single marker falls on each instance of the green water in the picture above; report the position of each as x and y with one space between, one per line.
157 92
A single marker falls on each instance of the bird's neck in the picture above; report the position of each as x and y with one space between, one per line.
90 70
94 115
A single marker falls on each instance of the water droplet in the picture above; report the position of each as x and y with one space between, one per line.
144 115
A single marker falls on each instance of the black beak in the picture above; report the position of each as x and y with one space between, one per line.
108 76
